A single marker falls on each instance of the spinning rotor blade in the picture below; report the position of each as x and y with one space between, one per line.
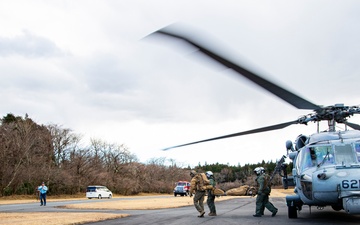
282 93
258 130
353 125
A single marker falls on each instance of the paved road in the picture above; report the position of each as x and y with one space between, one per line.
234 211
54 206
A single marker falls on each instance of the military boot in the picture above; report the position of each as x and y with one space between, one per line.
274 213
201 214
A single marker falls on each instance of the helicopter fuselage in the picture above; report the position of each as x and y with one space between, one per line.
326 172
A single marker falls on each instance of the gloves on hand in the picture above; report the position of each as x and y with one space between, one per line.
191 195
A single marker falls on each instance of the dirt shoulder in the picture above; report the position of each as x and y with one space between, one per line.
143 204
58 218
65 218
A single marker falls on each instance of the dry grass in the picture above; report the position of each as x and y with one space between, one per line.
143 204
80 218
55 218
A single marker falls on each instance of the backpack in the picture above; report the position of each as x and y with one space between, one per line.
204 183
267 185
266 188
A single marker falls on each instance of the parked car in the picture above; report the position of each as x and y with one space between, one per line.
182 188
97 191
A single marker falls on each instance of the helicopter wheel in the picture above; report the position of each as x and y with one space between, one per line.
336 207
292 212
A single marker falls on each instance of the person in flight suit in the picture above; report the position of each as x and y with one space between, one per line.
262 198
211 197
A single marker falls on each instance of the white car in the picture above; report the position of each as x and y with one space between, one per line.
96 191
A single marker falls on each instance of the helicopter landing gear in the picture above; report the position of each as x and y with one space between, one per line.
294 204
292 212
337 207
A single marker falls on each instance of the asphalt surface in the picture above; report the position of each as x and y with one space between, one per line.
234 211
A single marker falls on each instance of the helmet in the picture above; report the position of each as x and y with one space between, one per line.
193 173
209 174
259 170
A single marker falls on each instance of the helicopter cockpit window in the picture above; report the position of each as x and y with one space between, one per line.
324 155
305 160
344 155
314 156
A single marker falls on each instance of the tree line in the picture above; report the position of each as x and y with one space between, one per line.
31 153
228 176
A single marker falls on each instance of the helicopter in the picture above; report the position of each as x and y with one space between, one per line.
325 164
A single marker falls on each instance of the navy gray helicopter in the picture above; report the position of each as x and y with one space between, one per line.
326 165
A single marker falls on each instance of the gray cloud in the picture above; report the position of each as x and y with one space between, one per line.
28 45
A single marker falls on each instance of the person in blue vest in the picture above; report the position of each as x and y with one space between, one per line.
42 190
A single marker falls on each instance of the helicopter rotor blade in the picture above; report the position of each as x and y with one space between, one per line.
258 130
282 93
353 125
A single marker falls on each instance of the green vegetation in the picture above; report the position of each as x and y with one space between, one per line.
238 173
228 177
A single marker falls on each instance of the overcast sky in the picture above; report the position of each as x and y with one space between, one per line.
90 66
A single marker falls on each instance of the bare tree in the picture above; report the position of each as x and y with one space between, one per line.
26 150
31 153
64 141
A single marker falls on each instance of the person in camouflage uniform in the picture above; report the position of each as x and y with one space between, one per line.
211 197
262 198
199 194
